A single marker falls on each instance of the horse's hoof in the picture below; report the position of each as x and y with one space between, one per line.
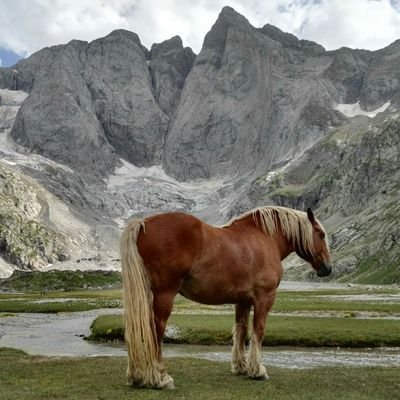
169 386
238 371
264 377
167 383
260 375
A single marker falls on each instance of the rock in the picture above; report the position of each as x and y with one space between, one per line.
249 102
382 80
169 66
81 120
348 70
291 41
227 92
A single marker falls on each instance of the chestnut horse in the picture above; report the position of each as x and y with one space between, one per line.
238 263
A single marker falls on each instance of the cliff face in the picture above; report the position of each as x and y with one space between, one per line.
252 99
262 116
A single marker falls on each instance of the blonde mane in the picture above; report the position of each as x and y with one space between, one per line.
294 224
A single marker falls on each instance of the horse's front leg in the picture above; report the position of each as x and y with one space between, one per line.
262 305
239 363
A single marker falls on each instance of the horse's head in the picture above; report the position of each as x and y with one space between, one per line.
319 257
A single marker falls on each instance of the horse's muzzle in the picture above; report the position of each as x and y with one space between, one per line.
324 270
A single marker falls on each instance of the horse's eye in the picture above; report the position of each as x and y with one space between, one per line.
322 235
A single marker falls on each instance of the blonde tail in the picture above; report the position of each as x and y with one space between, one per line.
144 368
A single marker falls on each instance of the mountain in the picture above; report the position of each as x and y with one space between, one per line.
113 129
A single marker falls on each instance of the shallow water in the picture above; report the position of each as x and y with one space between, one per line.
62 335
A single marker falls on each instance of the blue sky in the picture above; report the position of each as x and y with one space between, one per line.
9 58
29 25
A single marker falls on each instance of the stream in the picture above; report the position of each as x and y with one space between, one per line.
62 335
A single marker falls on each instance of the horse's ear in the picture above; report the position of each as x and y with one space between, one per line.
310 215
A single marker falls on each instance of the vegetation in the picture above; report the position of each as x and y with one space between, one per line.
35 281
288 331
84 379
54 302
377 268
290 191
337 326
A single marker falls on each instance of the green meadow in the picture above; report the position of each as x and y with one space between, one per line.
350 317
101 378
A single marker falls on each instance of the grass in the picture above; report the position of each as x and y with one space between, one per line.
35 281
4 315
288 331
335 300
290 191
314 300
83 300
101 378
23 306
377 268
197 326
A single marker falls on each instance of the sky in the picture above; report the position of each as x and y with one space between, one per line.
29 25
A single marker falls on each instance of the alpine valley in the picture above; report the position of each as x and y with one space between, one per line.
92 134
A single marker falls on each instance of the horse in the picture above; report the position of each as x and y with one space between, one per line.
237 263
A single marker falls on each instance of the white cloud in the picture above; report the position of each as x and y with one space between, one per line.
28 25
1 62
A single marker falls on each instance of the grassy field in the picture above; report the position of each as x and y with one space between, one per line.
37 281
286 301
39 378
82 300
339 326
281 331
104 378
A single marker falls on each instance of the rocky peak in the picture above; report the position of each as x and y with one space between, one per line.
170 63
125 37
291 41
174 43
215 40
119 35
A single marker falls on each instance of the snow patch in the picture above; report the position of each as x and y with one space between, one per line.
12 97
352 110
129 171
151 190
8 162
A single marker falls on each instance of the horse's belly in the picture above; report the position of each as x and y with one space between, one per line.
215 292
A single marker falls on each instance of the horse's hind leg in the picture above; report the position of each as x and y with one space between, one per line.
162 307
255 368
239 364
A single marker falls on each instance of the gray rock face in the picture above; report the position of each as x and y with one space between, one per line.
382 80
347 71
287 40
170 64
256 98
90 104
249 102
8 79
123 99
252 99
220 119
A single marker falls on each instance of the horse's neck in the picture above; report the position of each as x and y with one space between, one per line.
283 245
